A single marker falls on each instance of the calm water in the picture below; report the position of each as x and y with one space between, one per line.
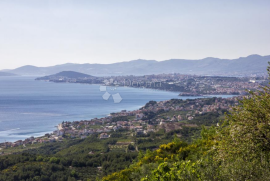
33 108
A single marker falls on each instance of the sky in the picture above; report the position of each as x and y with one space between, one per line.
51 32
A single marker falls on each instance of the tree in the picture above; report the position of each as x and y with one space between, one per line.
244 138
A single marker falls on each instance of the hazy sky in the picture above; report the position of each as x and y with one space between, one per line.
50 32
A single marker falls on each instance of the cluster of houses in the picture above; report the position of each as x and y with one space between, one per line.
47 138
234 87
193 84
138 121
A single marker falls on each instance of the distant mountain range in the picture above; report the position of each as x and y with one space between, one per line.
253 64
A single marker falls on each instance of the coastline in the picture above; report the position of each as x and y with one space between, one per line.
41 134
59 126
86 113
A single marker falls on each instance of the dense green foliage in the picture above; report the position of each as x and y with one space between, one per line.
239 149
78 159
66 160
208 119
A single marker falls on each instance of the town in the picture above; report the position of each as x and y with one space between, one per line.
188 85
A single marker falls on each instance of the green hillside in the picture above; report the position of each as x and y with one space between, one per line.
239 149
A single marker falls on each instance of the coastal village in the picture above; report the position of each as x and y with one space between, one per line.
168 115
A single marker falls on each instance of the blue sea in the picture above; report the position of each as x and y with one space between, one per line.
33 108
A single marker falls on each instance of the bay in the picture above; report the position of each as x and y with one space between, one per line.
33 108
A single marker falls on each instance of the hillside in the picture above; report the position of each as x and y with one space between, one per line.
77 158
253 64
236 150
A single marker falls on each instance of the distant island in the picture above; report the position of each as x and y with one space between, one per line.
72 77
66 74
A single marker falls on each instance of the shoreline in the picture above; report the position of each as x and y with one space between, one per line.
59 126
132 109
42 133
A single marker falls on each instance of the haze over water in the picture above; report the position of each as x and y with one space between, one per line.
33 108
